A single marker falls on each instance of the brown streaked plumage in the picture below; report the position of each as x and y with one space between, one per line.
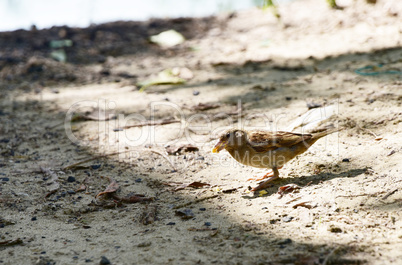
265 149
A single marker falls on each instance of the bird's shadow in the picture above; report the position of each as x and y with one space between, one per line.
308 180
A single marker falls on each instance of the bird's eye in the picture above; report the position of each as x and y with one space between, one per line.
227 135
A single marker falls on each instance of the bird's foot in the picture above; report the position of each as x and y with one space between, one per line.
264 184
268 175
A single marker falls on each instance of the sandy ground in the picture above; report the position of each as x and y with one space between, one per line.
244 69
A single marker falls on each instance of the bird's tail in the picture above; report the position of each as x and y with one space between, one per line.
325 132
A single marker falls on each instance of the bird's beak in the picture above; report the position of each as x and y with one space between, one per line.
219 146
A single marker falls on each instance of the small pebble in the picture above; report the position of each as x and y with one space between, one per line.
185 213
71 192
88 260
138 180
196 93
285 241
346 160
33 218
5 179
335 229
96 166
171 223
203 209
207 224
287 219
288 98
104 261
70 179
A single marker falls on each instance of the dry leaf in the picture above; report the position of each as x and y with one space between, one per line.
303 204
81 188
287 188
113 187
181 186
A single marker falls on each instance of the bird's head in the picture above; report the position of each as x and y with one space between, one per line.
230 139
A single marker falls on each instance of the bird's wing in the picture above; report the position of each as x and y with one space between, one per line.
264 141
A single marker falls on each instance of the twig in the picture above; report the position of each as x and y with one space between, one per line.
165 157
9 243
363 194
195 201
93 158
329 256
389 194
149 123
295 199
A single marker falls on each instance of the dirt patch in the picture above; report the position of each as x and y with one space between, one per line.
172 201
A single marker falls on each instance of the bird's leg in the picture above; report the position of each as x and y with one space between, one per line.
269 174
264 184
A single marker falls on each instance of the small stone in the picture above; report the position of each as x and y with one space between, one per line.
5 179
288 98
43 252
313 105
203 209
334 229
88 260
71 192
285 241
70 179
207 224
346 160
196 93
185 214
287 219
96 166
171 223
144 244
138 180
104 261
200 158
33 218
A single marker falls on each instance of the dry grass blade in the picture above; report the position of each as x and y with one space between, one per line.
93 158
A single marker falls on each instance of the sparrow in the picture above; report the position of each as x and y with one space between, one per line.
265 149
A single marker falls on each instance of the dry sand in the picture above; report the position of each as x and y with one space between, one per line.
252 71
